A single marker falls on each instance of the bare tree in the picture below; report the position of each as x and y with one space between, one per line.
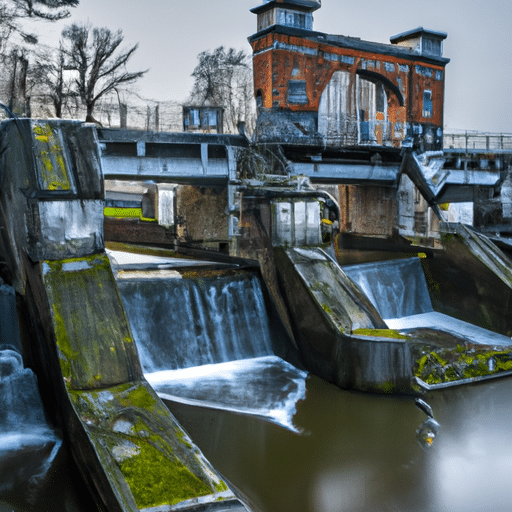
47 77
224 78
93 53
16 45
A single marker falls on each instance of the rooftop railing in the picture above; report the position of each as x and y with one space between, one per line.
478 141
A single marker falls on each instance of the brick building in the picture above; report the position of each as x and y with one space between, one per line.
318 89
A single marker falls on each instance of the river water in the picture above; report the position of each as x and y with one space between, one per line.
330 450
360 452
350 452
290 442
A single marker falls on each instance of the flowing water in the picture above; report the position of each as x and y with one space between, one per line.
399 292
180 323
36 473
346 451
209 343
331 451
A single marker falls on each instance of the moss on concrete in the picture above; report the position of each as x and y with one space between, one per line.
52 170
461 362
91 329
381 333
139 443
155 479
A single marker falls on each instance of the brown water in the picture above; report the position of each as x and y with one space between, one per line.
359 452
354 452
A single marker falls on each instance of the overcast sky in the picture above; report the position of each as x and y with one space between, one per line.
171 33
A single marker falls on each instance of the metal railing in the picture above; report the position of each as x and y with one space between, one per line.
479 141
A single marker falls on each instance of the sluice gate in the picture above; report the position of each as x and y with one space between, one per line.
394 321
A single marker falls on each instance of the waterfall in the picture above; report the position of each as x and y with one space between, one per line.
181 323
28 446
207 342
396 288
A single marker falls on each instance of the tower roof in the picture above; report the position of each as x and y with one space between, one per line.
302 5
417 32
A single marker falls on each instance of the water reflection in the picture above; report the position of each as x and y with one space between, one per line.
360 452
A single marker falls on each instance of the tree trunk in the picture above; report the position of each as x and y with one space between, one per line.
89 117
18 102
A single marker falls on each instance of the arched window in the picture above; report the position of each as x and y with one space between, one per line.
259 98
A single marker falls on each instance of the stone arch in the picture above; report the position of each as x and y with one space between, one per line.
377 78
361 108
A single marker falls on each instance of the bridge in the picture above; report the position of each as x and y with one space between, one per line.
190 157
469 160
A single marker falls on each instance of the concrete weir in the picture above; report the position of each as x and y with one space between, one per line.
75 335
401 322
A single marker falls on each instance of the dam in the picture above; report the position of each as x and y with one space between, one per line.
118 338
226 347
200 322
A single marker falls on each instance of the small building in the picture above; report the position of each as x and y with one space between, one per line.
203 119
324 90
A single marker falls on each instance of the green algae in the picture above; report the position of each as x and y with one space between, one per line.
53 172
138 397
139 443
91 330
155 479
381 333
327 309
386 387
462 362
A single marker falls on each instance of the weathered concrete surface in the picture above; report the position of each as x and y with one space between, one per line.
471 279
327 310
439 184
37 168
345 340
131 452
169 156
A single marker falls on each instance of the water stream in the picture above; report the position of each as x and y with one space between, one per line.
359 452
208 342
347 451
398 290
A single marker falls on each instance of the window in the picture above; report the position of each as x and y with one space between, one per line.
389 67
194 117
212 118
295 19
380 98
428 108
297 93
432 46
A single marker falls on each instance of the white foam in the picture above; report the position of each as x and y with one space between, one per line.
267 387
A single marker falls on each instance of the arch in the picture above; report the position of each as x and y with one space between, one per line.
337 115
374 77
361 108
